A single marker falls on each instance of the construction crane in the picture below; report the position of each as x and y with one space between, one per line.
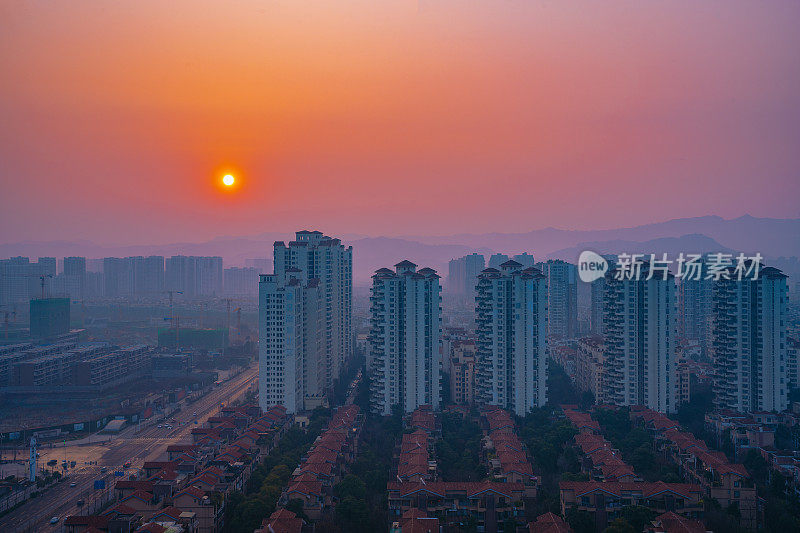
228 313
13 315
43 278
172 317
238 312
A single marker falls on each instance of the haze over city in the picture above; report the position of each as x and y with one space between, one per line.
392 118
406 266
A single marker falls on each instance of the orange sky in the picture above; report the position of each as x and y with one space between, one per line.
392 118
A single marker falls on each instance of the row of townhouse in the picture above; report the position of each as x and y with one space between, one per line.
600 460
756 431
752 430
414 462
504 452
420 501
188 489
604 500
324 465
728 483
613 484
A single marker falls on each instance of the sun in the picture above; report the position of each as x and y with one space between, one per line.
228 179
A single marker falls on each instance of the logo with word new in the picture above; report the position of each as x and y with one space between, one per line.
591 266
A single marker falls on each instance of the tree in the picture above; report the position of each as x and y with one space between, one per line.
620 525
353 515
295 505
350 486
579 521
637 516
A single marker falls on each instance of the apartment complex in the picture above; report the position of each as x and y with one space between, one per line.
20 279
694 304
511 317
562 298
462 372
748 342
639 326
194 276
589 364
240 281
462 275
405 338
314 256
67 366
305 329
597 290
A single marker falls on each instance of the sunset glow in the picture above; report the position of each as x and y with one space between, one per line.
228 180
492 115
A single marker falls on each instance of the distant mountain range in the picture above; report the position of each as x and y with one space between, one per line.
771 237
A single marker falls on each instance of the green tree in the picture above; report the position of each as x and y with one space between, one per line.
620 525
580 521
350 486
637 516
353 515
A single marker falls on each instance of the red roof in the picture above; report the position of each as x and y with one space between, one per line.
172 512
549 523
674 523
122 509
581 488
308 488
471 489
283 521
192 491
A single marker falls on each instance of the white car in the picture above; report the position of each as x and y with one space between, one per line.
54 520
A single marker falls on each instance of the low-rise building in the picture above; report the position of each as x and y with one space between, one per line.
489 504
605 500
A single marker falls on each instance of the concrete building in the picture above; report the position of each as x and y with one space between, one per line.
128 277
20 279
327 260
597 291
193 275
462 372
285 342
694 306
640 326
511 317
462 275
148 275
589 363
49 317
75 277
305 324
241 281
525 259
497 259
405 338
562 298
748 343
118 277
792 363
208 276
64 367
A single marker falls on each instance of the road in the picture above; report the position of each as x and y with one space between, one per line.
135 444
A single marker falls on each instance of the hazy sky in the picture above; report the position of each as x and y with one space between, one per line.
388 117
